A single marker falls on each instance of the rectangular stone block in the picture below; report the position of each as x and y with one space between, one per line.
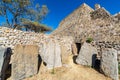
87 55
2 50
25 61
109 63
51 54
5 56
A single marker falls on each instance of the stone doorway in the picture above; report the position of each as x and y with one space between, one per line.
78 46
76 50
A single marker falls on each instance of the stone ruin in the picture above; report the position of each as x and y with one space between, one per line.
26 48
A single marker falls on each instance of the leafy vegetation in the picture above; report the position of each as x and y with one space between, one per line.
89 40
14 11
35 26
53 71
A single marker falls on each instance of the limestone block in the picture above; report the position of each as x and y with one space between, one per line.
2 50
51 53
86 55
109 63
24 61
74 49
64 55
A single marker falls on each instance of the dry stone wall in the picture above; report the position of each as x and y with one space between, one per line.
85 22
11 37
49 50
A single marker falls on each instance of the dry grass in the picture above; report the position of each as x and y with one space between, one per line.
73 72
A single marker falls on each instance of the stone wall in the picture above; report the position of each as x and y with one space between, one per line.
85 22
50 50
98 24
55 49
11 37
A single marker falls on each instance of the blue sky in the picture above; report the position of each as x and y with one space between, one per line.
59 9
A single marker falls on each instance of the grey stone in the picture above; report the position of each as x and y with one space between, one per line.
87 55
97 6
2 50
109 63
51 54
24 61
118 58
5 57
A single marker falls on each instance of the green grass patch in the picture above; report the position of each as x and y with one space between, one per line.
89 40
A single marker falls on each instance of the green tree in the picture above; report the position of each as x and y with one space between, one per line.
14 11
35 26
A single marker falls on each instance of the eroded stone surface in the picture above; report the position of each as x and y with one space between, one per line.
24 61
2 50
5 56
109 63
86 55
51 53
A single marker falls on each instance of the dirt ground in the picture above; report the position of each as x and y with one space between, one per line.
72 72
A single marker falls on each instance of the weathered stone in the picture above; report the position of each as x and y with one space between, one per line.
109 63
87 55
2 50
118 56
97 6
51 54
74 49
64 55
24 61
5 56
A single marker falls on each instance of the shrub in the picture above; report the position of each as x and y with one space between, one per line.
53 71
89 40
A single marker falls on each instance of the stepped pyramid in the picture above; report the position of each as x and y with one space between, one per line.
86 22
79 14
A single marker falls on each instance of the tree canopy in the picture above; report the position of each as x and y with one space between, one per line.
17 11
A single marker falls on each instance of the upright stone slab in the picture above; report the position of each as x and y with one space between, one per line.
51 53
5 57
2 51
109 63
24 62
87 55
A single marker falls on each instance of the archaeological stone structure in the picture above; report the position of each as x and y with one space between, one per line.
24 61
109 63
86 55
5 57
97 26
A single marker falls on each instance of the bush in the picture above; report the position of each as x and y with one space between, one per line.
89 40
